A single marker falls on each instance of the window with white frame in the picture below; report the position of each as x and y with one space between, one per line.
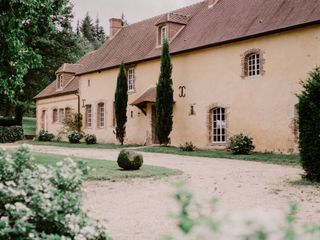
131 80
253 64
101 115
163 34
60 82
88 116
61 115
219 125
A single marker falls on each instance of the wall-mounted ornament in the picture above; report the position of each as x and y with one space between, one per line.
83 103
192 110
182 91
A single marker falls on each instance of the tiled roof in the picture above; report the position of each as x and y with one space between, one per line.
226 21
149 96
72 84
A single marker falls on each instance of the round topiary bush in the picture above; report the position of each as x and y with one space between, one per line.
309 127
45 136
240 144
75 137
129 160
91 139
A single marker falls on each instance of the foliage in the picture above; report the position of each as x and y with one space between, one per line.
309 127
164 100
188 147
91 139
129 160
42 203
7 121
93 33
75 136
240 144
11 134
45 136
205 221
121 102
73 123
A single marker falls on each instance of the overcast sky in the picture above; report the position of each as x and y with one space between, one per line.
134 10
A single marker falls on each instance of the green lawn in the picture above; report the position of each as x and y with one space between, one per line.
108 170
79 145
29 126
293 159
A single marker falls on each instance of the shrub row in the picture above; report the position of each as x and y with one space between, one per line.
11 134
7 122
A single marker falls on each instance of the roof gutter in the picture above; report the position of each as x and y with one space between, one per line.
213 45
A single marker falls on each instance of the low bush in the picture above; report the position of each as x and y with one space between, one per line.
11 134
129 160
7 121
43 203
91 139
45 136
240 144
188 147
75 137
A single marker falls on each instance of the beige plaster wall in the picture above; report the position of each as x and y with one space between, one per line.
262 106
67 101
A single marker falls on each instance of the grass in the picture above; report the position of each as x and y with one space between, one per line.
108 170
293 159
29 126
79 145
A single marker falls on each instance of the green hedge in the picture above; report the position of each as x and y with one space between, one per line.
7 121
11 134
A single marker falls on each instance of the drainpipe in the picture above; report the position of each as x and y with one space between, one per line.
78 117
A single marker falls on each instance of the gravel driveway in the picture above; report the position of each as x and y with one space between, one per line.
142 208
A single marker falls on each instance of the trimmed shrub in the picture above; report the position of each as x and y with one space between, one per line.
7 122
309 126
43 203
129 160
45 136
91 139
11 134
188 147
75 137
240 144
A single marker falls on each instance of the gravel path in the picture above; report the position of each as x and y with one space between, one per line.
140 209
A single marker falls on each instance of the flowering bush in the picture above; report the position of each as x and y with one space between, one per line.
43 203
75 137
206 222
240 144
91 139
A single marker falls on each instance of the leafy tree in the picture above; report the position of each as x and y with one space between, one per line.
309 126
22 23
121 101
87 28
164 100
99 32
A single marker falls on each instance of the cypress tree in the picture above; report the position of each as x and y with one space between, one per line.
121 101
164 100
309 126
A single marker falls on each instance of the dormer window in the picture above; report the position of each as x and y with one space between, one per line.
163 34
60 82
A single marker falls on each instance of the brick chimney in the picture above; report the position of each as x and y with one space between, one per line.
212 3
115 26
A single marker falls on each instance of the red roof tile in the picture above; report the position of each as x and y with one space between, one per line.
226 21
149 96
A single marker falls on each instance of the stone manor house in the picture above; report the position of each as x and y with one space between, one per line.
237 67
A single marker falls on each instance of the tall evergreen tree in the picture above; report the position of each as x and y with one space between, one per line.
164 100
121 102
87 28
309 126
99 32
124 21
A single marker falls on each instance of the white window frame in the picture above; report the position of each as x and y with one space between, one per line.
89 116
101 115
131 80
60 82
163 34
254 67
61 115
219 126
